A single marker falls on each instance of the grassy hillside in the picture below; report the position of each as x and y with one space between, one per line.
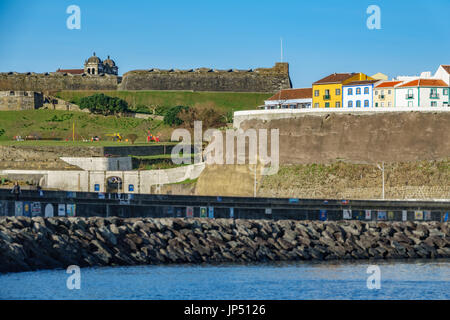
223 101
58 124
338 180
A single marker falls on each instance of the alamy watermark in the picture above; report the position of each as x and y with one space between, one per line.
74 20
374 280
257 142
74 280
374 20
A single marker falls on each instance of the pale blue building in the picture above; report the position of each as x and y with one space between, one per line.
358 94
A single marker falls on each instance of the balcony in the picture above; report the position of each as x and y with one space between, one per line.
409 96
326 97
434 96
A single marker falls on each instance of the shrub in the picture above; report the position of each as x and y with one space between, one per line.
210 117
102 104
161 110
171 116
140 108
2 132
132 138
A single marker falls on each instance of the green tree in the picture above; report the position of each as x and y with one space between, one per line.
100 103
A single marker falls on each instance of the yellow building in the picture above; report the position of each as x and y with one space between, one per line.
380 76
327 92
384 94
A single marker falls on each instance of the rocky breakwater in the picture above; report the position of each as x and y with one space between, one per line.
38 243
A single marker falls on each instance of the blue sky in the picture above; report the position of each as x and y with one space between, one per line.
320 37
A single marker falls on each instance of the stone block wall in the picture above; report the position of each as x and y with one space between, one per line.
204 79
20 100
56 81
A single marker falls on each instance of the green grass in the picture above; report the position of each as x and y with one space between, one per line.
187 181
160 156
222 101
53 124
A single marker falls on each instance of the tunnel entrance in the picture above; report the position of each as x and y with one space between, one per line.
113 185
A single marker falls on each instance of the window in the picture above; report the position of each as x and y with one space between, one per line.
445 92
376 104
434 103
327 104
410 103
382 104
366 103
11 93
376 92
327 92
382 92
316 105
338 104
130 188
358 90
316 93
410 94
350 104
389 104
358 103
350 91
366 90
338 92
389 91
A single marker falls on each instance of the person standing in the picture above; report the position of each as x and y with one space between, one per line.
16 190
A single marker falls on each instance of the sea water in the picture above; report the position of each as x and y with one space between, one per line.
416 279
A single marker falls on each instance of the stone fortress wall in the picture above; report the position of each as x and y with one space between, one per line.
56 81
20 100
202 79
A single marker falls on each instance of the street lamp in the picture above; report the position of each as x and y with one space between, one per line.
382 174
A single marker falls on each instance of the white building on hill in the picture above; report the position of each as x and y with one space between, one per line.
290 99
422 93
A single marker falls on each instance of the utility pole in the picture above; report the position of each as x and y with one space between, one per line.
382 174
281 46
254 184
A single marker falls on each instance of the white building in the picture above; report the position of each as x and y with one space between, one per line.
422 93
443 73
290 99
358 94
423 75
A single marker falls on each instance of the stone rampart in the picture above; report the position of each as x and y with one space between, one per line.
47 82
205 79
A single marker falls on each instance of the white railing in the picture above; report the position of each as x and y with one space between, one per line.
273 114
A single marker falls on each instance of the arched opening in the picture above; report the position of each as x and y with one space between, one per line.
113 185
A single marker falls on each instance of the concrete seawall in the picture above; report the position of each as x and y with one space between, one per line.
38 243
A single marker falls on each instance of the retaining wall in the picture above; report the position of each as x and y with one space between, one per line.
101 164
90 181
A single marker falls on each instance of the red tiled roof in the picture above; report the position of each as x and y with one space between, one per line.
72 71
362 82
290 94
446 68
388 84
335 78
424 83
